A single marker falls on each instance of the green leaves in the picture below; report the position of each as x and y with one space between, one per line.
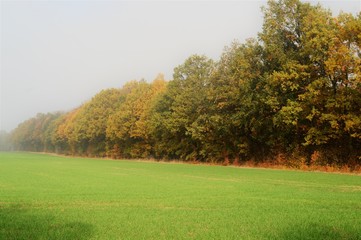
179 110
128 128
293 91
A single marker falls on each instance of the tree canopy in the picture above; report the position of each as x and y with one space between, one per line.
292 93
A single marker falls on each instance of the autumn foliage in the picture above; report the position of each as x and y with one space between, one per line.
292 97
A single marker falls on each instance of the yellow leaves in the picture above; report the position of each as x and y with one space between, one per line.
289 114
350 124
343 58
314 112
353 126
131 119
273 103
66 129
159 84
316 136
291 78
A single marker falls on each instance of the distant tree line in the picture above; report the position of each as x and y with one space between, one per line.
291 95
5 141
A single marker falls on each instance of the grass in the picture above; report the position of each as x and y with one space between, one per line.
53 197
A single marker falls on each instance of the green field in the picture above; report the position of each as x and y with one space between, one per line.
53 197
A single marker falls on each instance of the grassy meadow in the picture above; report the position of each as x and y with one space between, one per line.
54 197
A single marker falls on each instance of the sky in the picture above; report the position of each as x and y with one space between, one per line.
56 55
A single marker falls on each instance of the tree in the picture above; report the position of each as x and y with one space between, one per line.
91 121
128 127
295 92
234 93
63 138
333 100
5 141
184 101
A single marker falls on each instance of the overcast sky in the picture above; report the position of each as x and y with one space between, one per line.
55 55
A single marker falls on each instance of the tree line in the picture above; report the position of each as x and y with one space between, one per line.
290 95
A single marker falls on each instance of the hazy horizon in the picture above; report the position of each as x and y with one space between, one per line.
57 55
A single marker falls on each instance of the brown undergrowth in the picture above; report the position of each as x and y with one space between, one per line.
317 164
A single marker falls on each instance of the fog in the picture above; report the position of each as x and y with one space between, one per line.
57 55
